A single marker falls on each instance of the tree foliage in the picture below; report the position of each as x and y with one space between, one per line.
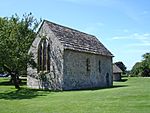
121 66
16 36
142 68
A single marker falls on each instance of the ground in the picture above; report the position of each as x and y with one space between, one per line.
132 95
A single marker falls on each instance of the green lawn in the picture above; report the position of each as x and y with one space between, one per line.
131 96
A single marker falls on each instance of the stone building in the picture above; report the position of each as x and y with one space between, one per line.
68 59
116 73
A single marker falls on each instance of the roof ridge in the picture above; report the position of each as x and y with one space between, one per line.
70 28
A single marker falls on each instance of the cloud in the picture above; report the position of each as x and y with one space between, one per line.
139 44
120 37
142 39
136 51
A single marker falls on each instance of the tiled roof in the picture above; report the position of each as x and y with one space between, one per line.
76 40
116 69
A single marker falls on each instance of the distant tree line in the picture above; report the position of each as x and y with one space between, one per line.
142 69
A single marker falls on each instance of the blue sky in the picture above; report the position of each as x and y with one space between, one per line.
123 26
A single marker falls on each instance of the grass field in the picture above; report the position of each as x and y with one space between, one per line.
131 96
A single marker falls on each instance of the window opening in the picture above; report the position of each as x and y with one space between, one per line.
88 64
99 66
44 56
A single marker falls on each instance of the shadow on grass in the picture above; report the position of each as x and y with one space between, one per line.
99 88
115 86
122 80
8 83
5 83
23 93
119 86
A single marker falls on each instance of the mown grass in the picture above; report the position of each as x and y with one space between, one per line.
131 96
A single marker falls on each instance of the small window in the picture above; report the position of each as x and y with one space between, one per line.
99 64
88 64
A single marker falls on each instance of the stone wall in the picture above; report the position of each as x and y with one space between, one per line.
76 75
47 80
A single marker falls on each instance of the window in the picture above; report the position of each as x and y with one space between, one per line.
48 58
43 56
40 57
99 64
88 64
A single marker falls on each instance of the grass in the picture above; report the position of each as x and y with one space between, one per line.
131 96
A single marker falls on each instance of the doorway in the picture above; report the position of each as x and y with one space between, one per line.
107 79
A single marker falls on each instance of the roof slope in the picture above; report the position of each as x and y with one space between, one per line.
76 40
116 69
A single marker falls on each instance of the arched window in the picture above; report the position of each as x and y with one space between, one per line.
44 56
40 57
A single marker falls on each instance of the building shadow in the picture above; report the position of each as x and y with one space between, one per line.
23 93
113 87
98 88
122 80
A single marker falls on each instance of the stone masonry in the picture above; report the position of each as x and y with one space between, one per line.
76 75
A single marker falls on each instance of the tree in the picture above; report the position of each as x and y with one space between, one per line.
142 68
136 69
121 66
146 65
16 36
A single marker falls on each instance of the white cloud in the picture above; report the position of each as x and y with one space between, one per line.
120 37
142 39
136 51
139 44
